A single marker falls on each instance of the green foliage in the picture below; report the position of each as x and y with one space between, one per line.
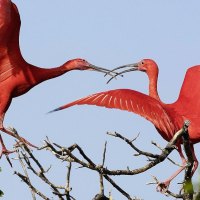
188 187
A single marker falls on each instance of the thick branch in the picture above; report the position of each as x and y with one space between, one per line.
188 187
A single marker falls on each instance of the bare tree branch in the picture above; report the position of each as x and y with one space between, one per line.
28 161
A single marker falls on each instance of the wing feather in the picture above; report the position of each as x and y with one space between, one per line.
132 101
189 96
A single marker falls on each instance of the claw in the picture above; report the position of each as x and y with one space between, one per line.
5 152
163 186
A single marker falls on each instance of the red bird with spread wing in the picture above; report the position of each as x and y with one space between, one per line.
16 75
167 118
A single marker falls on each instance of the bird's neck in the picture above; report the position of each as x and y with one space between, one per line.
153 91
38 75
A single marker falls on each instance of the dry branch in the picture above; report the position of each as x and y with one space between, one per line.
28 161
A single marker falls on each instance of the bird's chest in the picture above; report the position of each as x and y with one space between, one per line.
21 85
16 83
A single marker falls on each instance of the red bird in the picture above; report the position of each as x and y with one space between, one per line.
167 118
16 75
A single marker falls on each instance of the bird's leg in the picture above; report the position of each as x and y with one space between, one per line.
4 149
12 132
3 106
163 186
196 163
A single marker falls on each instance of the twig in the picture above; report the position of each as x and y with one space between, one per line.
130 143
24 178
159 147
68 189
100 174
104 154
117 187
41 173
26 174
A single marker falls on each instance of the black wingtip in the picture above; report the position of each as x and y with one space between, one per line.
57 109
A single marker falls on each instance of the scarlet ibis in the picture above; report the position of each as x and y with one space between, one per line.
167 118
16 75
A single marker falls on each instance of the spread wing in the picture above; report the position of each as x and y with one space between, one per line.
188 103
9 24
9 40
132 101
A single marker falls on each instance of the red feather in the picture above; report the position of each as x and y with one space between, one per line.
132 101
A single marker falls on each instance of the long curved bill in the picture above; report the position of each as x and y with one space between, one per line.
132 67
103 70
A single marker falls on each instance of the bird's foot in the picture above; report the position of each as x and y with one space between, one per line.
6 152
163 186
13 132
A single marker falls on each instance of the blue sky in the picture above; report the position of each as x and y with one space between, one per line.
107 34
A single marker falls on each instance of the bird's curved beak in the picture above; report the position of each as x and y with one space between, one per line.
131 67
103 70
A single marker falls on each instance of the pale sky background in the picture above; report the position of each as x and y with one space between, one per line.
107 34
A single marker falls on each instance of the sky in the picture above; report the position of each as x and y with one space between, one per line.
107 34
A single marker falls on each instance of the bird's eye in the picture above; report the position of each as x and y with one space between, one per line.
142 63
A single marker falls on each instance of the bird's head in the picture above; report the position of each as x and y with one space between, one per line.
81 64
146 65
